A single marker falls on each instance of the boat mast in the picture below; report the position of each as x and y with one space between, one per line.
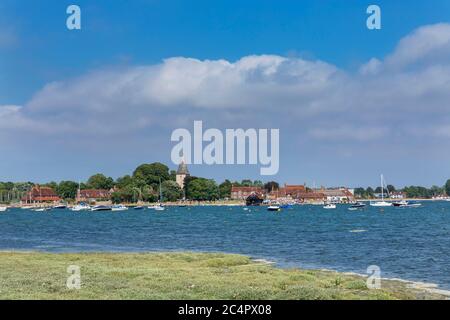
160 191
382 188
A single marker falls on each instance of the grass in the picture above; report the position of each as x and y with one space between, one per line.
180 276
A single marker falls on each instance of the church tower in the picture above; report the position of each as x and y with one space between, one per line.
182 173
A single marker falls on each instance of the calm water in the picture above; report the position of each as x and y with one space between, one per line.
411 243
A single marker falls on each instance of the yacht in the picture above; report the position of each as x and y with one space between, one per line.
159 206
274 208
329 206
101 208
406 204
381 203
43 209
400 203
60 206
357 206
119 207
81 207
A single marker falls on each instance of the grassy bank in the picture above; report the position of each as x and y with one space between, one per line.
180 276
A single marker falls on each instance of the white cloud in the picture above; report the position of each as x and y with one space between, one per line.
311 99
430 42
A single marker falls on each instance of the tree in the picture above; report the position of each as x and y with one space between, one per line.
187 181
52 185
390 188
152 173
67 189
258 183
100 181
436 190
171 191
360 192
447 187
124 181
202 189
247 183
271 186
417 192
225 189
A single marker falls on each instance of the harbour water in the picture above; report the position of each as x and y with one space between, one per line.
408 243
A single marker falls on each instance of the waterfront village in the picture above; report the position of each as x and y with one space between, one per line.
155 183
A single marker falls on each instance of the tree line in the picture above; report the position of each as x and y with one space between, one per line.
144 183
410 191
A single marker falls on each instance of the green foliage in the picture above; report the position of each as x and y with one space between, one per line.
202 189
225 189
152 173
67 189
391 188
447 187
100 181
171 191
417 192
180 276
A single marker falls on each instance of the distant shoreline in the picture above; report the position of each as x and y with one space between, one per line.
216 203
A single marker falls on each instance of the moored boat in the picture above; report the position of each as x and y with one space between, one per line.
159 208
41 209
81 207
273 208
329 206
3 209
356 206
400 203
60 206
381 203
101 208
406 204
119 207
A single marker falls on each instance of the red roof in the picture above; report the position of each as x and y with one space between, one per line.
38 193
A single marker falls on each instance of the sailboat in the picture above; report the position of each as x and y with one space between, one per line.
381 203
159 207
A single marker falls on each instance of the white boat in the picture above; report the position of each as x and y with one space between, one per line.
381 203
60 206
81 207
357 206
101 208
159 206
406 204
329 206
273 208
3 209
119 207
41 209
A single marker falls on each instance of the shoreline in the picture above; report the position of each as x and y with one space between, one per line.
323 279
230 203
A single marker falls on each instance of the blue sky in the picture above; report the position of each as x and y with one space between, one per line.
36 50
